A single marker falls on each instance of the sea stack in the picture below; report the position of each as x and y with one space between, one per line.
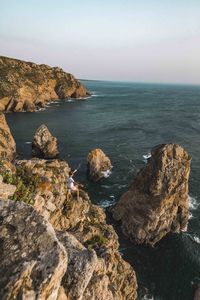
99 165
26 86
44 144
157 200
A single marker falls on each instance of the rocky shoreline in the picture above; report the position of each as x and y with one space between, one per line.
54 248
26 86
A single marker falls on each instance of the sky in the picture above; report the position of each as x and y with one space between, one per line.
124 40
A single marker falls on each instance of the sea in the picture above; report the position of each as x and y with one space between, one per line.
126 120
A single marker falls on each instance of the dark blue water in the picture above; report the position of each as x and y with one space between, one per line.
126 120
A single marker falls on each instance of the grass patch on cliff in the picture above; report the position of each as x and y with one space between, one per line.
95 242
25 188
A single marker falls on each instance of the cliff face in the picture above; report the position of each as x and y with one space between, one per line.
54 247
26 86
157 201
7 143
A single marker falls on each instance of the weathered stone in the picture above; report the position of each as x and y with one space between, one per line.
32 259
28 86
6 190
112 277
99 165
81 265
157 201
44 144
7 143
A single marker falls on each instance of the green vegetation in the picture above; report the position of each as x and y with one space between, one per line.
95 242
25 187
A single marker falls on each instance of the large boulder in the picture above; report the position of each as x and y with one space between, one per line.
44 143
32 260
7 143
99 165
157 200
26 86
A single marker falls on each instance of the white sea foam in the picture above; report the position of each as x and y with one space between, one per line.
106 174
28 142
196 239
107 203
193 203
190 215
146 157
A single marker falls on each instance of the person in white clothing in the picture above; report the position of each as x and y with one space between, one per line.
72 186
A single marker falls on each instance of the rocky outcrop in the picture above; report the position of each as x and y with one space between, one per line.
95 268
7 143
33 261
44 143
157 201
26 86
99 165
6 190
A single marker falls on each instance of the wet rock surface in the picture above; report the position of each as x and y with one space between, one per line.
157 200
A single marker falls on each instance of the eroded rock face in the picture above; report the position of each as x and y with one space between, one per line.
105 275
6 190
25 86
99 165
32 259
7 143
157 201
44 143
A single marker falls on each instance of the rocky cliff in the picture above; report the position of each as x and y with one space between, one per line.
157 200
52 247
26 86
7 143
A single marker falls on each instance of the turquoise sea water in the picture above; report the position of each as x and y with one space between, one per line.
126 120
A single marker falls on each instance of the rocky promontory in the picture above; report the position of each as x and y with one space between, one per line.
53 247
26 86
157 200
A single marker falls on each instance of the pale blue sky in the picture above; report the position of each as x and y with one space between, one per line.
138 40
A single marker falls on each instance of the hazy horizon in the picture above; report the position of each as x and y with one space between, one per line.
135 41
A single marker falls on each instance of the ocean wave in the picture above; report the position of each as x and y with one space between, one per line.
193 203
146 157
106 174
107 203
28 143
196 239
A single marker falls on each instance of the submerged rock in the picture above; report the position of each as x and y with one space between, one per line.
32 260
157 200
44 143
99 165
7 143
25 86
